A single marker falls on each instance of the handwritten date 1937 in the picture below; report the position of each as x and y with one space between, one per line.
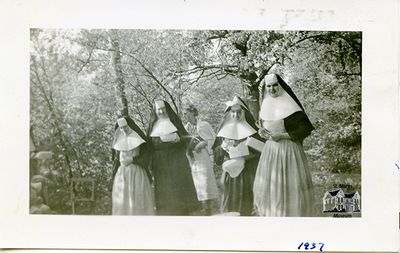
311 246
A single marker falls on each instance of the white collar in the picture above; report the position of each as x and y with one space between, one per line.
124 142
236 130
162 127
279 107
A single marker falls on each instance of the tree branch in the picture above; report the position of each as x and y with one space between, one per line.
152 76
86 62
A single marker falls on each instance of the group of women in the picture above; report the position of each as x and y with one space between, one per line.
264 167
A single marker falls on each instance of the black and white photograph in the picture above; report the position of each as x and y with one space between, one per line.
254 126
195 122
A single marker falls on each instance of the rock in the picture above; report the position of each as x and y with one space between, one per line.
228 214
39 179
34 210
44 209
37 187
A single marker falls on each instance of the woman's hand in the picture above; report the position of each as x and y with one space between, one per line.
127 161
227 144
278 137
264 133
177 139
200 146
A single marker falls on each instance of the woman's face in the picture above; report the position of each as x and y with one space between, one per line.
161 112
190 117
273 90
236 112
124 129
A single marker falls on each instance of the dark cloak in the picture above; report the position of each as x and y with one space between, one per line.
174 190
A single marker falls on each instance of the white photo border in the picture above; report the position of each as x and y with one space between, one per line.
376 230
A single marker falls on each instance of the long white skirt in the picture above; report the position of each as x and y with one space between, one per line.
283 185
131 194
203 176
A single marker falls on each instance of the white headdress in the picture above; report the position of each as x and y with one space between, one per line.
162 126
123 142
235 129
275 108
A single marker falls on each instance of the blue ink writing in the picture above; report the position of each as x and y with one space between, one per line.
397 166
311 246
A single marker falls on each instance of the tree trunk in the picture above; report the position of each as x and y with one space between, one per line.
251 97
120 83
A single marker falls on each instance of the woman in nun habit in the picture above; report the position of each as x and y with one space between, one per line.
174 189
238 160
131 192
282 186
